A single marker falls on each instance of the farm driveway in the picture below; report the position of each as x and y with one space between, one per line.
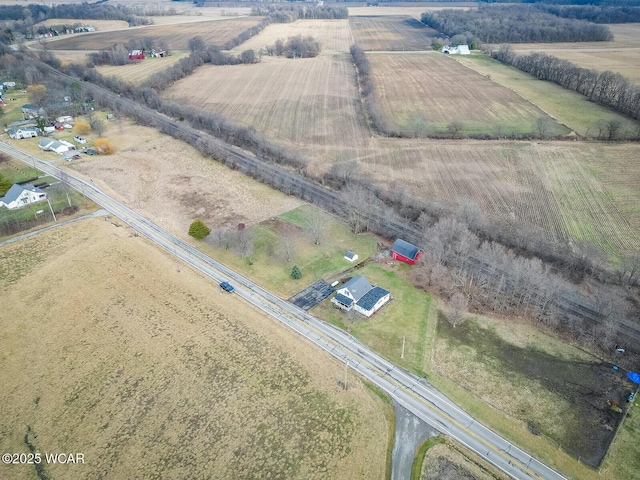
410 433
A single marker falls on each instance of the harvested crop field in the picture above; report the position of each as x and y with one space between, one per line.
138 72
391 33
420 94
299 103
407 9
622 55
555 390
149 372
170 182
333 35
216 32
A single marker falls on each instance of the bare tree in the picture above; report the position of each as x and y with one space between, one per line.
289 233
358 204
455 129
343 172
317 223
458 308
196 43
543 126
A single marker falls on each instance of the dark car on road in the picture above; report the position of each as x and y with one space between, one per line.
227 287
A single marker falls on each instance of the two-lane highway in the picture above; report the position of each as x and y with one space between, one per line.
410 391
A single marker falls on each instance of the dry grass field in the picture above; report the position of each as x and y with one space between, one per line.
391 33
169 182
302 103
153 373
420 94
176 36
622 55
138 72
333 35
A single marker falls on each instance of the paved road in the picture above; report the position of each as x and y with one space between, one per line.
410 433
408 390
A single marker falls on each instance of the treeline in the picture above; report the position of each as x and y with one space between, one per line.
606 88
514 24
592 13
295 47
245 35
287 13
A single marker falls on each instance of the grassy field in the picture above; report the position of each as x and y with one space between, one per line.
138 72
177 36
268 264
622 55
391 33
406 316
569 108
149 372
333 35
420 94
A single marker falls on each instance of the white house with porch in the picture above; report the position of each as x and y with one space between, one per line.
358 294
20 195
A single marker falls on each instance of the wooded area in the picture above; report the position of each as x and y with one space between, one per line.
514 24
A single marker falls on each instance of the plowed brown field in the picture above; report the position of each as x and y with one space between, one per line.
333 35
107 350
421 93
391 33
138 72
177 37
301 103
622 55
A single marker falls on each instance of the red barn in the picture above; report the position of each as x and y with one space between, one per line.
136 55
405 252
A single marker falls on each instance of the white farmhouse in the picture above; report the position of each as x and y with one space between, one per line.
22 132
360 295
21 195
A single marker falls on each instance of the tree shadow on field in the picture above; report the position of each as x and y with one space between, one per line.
589 424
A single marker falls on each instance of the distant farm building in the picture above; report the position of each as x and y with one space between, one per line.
358 294
57 146
459 50
158 54
20 195
32 110
136 55
405 252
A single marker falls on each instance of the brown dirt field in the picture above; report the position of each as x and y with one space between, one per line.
415 12
300 103
177 36
622 55
451 461
422 93
138 72
99 25
149 372
391 33
169 182
333 35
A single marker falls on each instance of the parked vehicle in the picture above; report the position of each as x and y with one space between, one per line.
79 139
68 126
90 151
227 287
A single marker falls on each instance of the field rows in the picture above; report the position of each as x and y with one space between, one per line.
391 33
216 32
422 93
138 72
333 35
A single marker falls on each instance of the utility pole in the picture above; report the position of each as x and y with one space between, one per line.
51 208
346 366
402 354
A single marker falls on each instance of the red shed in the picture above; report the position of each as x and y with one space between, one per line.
405 252
136 55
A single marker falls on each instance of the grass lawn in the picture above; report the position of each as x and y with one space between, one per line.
268 265
405 316
18 172
13 108
568 107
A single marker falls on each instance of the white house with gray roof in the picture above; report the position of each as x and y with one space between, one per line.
21 195
58 146
19 133
360 295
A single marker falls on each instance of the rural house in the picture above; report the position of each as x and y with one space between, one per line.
21 195
136 55
31 110
360 295
22 132
57 146
459 50
405 252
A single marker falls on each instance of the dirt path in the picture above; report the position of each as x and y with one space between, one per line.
410 433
